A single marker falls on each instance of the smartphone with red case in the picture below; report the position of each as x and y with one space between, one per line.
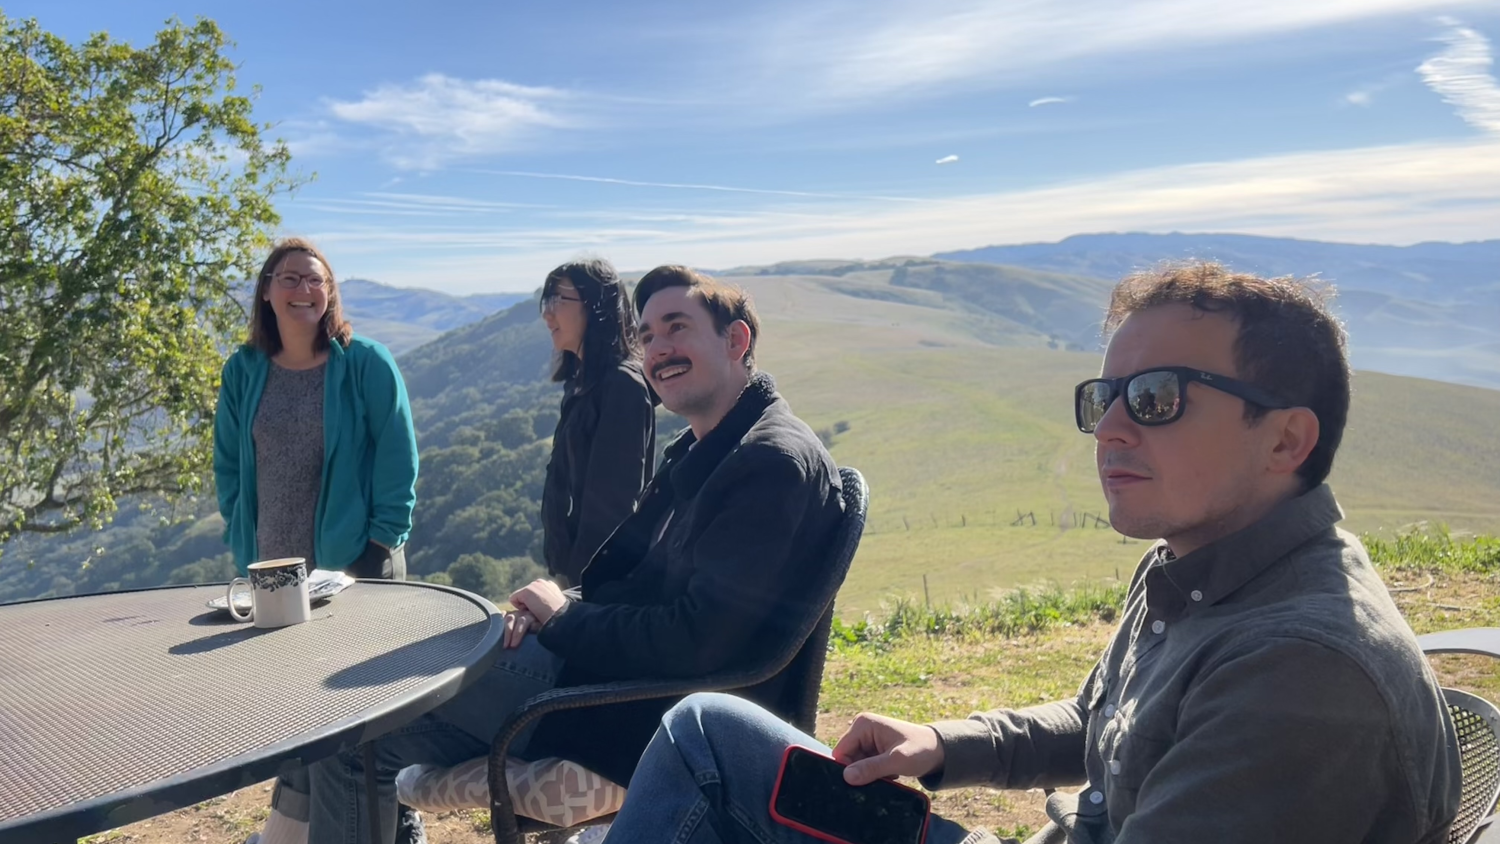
812 797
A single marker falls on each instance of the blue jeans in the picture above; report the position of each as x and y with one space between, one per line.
707 778
455 732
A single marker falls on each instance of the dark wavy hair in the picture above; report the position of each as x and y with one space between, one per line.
1290 344
264 334
610 335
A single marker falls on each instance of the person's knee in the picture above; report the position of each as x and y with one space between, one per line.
715 716
698 708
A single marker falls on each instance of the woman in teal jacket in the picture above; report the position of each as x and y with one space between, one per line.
314 454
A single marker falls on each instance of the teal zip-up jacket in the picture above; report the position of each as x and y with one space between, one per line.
369 453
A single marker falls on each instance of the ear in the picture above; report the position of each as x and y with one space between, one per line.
739 339
1296 432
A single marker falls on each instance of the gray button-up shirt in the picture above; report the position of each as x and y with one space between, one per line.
1263 688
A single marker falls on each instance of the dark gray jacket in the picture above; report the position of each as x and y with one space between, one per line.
1262 688
602 454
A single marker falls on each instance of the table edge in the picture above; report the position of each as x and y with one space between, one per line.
100 814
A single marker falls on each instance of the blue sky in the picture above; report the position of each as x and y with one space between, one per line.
472 146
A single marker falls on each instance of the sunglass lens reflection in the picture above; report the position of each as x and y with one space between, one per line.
1093 401
1154 397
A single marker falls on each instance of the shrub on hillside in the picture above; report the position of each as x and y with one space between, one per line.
492 578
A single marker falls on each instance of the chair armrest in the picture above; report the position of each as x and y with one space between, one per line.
624 691
1484 641
1488 831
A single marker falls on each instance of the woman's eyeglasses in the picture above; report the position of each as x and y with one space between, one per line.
1155 396
549 302
292 281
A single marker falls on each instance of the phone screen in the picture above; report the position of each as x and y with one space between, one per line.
812 794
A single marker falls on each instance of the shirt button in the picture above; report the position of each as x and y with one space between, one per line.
1158 626
1197 596
1109 711
1096 797
1114 766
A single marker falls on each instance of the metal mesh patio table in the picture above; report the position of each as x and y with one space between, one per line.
122 706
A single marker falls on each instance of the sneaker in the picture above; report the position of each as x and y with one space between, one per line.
589 835
253 839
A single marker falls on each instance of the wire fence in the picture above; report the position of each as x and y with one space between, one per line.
1066 519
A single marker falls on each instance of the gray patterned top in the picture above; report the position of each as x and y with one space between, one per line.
288 433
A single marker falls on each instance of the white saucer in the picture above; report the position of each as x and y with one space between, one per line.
321 585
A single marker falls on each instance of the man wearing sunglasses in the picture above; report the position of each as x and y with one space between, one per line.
1261 686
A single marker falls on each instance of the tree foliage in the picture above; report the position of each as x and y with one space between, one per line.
135 191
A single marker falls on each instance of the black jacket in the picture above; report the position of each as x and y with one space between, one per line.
752 509
602 455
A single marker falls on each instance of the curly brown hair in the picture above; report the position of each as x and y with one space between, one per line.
1290 344
264 334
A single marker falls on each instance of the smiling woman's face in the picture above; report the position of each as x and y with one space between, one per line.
300 307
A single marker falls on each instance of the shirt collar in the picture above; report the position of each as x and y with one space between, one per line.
1211 573
689 462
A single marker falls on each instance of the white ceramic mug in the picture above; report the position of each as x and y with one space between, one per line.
278 593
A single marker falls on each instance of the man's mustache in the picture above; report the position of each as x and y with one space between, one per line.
656 368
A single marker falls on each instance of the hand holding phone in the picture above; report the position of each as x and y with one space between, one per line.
812 796
877 747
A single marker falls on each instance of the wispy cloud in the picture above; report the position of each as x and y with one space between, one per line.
1394 194
438 119
378 203
1365 95
947 159
569 177
1460 74
1041 101
890 48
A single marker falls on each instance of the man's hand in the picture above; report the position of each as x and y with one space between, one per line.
877 747
517 624
541 598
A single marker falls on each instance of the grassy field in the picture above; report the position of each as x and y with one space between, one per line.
957 433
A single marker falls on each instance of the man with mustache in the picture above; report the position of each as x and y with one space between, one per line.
1261 686
707 573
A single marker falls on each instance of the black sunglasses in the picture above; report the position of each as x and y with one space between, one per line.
1155 396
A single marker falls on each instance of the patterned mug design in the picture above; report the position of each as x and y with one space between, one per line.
271 579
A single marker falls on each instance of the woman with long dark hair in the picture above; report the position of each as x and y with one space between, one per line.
605 442
314 454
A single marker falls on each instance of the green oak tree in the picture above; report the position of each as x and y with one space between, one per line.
136 191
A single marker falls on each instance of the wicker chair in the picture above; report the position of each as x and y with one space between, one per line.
803 658
1477 724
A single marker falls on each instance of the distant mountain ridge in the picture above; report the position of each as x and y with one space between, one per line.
404 318
1434 271
1430 310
